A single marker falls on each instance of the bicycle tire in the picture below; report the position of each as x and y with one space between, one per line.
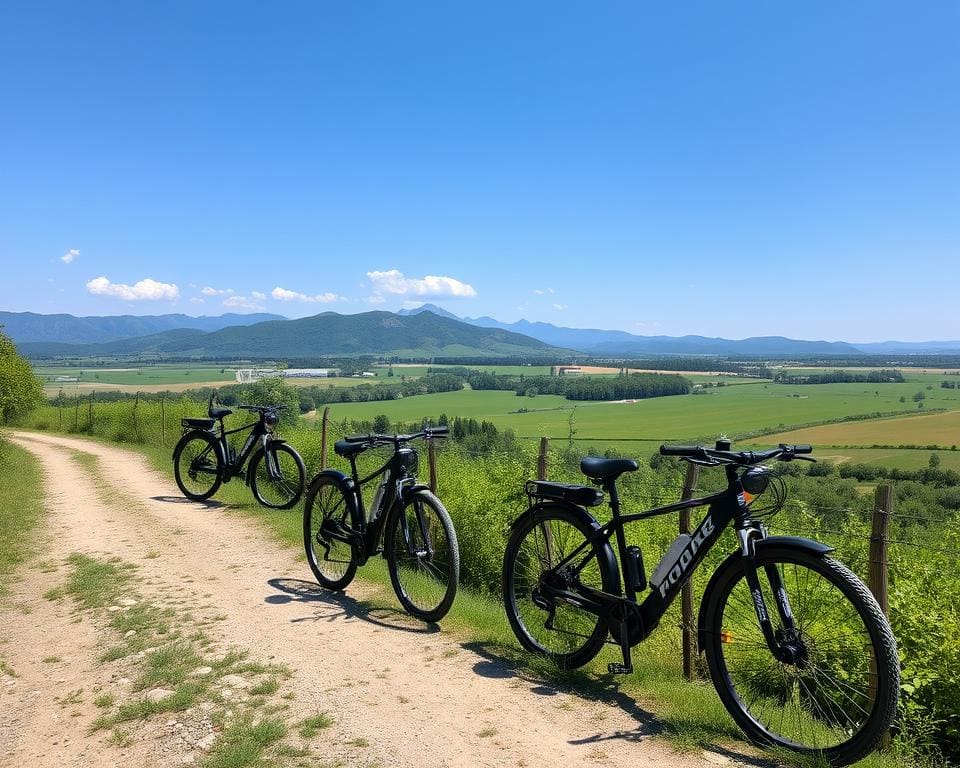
197 478
333 562
282 493
827 704
424 571
570 636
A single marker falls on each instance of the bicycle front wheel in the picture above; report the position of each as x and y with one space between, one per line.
278 486
196 465
327 522
839 695
423 556
558 628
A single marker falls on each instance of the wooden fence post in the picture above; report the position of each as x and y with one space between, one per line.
163 436
686 596
324 425
432 461
879 567
542 458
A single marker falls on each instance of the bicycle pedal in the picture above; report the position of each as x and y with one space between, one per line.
616 668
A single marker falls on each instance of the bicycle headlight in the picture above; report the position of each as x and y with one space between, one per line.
755 480
270 419
408 459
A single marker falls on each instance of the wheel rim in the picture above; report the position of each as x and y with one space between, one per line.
285 487
424 563
556 627
330 556
825 698
197 467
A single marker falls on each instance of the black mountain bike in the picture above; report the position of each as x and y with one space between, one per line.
406 522
202 459
797 647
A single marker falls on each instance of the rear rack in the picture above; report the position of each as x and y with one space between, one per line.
583 495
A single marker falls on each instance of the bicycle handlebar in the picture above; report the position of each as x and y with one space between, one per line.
706 455
377 439
263 408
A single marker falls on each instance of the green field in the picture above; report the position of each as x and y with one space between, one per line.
729 410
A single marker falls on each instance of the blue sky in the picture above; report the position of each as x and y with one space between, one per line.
725 169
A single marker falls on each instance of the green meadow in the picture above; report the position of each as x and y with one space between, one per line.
731 410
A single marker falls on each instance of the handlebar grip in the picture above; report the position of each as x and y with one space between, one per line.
439 431
357 438
681 450
802 449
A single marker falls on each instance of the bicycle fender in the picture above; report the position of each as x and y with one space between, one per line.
605 556
770 544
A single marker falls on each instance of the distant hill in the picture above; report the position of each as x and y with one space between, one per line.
911 347
620 343
328 334
68 329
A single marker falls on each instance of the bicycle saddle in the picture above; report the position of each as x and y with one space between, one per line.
606 469
346 449
219 413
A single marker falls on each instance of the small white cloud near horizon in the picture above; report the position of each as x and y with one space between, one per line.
559 307
70 255
208 291
543 291
143 290
393 281
258 295
197 300
242 302
282 294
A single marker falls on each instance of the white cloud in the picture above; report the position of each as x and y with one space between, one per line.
196 300
208 291
282 294
542 291
70 255
559 307
395 282
258 295
376 299
242 302
144 290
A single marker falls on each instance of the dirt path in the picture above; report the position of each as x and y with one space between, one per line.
399 696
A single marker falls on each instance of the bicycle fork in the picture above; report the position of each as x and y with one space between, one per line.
784 643
426 548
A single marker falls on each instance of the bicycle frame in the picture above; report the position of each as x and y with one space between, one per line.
397 484
723 508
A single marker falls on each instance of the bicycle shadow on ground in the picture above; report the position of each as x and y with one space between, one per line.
208 504
501 661
333 606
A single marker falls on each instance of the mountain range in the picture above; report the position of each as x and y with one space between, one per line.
68 329
427 331
325 335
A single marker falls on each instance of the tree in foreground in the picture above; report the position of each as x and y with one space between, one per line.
20 390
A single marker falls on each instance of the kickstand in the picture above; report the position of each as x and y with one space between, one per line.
626 668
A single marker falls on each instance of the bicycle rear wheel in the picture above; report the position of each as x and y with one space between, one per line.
326 521
423 556
570 635
196 465
281 486
840 695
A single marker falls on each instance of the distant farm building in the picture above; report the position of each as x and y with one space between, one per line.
249 375
565 370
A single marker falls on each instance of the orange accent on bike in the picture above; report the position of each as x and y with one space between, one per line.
748 497
726 637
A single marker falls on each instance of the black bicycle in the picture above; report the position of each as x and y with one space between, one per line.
797 647
406 522
202 459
